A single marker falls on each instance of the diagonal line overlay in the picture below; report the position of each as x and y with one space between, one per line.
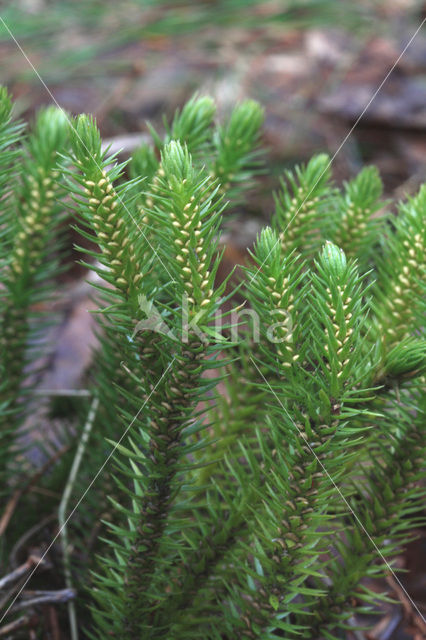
164 266
343 497
78 136
92 482
345 139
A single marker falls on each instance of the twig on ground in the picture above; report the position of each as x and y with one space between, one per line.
43 597
19 571
6 597
19 623
386 626
27 535
410 614
13 502
28 598
63 393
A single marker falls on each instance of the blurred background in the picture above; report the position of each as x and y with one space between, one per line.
313 64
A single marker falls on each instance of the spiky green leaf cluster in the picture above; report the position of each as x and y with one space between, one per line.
299 205
247 467
400 291
229 151
355 226
31 217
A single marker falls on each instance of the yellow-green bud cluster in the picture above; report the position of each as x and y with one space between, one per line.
296 216
397 309
356 225
109 224
342 330
353 228
36 209
298 203
153 188
188 241
282 306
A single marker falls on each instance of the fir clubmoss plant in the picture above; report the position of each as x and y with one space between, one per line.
249 475
31 216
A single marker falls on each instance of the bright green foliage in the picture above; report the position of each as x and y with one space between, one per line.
272 289
234 144
356 225
190 236
32 215
144 162
106 215
388 493
339 323
192 124
301 205
105 212
228 151
10 133
262 464
400 291
407 358
318 436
